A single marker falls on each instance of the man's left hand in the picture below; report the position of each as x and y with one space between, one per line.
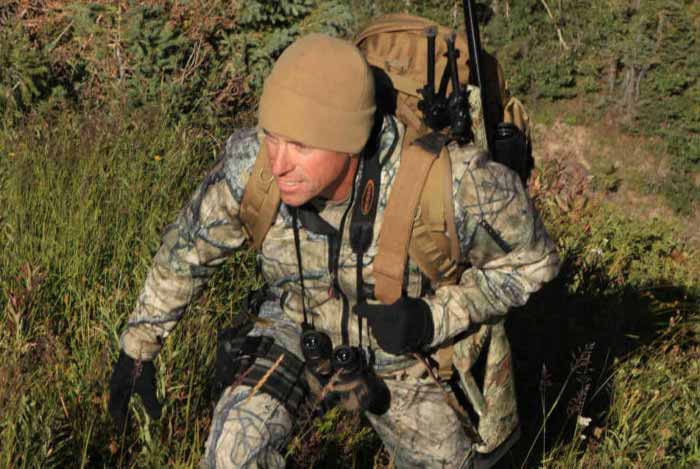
402 327
132 376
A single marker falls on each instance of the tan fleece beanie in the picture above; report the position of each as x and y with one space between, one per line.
320 93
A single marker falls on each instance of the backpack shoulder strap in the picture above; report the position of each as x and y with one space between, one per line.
261 200
434 246
400 214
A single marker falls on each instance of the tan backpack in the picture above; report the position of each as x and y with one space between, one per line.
396 44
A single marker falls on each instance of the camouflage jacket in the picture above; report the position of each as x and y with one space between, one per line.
208 230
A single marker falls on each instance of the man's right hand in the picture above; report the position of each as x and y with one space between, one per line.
401 327
129 376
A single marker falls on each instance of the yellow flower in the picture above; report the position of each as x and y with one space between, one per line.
157 157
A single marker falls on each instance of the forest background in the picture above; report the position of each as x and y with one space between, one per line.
112 111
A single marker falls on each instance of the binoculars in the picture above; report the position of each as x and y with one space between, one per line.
344 374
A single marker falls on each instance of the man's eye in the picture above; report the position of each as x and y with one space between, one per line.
302 149
296 146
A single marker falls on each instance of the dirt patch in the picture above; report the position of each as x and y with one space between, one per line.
619 166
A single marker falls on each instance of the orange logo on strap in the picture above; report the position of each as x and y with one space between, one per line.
368 197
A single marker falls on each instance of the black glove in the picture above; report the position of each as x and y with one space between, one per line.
129 376
402 327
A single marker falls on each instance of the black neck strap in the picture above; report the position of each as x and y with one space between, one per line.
310 219
365 209
363 216
297 247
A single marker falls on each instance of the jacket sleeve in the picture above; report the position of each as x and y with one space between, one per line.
504 243
205 232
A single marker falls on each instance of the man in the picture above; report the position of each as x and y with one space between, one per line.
316 121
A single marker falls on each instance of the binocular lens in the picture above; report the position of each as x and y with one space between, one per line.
347 358
316 345
311 343
344 355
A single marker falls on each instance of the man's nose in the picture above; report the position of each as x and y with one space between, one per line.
280 161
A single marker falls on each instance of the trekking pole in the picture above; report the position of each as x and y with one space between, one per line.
432 105
458 103
430 86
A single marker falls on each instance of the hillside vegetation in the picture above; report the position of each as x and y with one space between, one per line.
111 113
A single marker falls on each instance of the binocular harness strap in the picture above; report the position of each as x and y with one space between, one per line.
248 361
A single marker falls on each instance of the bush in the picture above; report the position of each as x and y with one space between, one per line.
24 73
203 60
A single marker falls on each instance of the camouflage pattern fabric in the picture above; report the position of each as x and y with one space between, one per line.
247 431
487 196
420 430
476 114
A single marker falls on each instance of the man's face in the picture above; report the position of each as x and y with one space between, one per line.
302 172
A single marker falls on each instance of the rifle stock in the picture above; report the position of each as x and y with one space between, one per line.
471 26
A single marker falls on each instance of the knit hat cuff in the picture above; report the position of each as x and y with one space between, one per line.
301 118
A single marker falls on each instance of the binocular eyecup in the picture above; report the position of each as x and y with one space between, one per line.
317 349
355 385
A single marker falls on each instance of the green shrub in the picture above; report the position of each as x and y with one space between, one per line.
24 72
207 62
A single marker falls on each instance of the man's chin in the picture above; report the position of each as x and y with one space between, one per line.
294 200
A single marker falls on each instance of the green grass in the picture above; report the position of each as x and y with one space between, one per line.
605 354
83 202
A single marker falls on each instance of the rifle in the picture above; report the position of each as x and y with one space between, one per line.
506 142
471 27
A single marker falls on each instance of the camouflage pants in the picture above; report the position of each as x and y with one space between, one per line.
420 430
